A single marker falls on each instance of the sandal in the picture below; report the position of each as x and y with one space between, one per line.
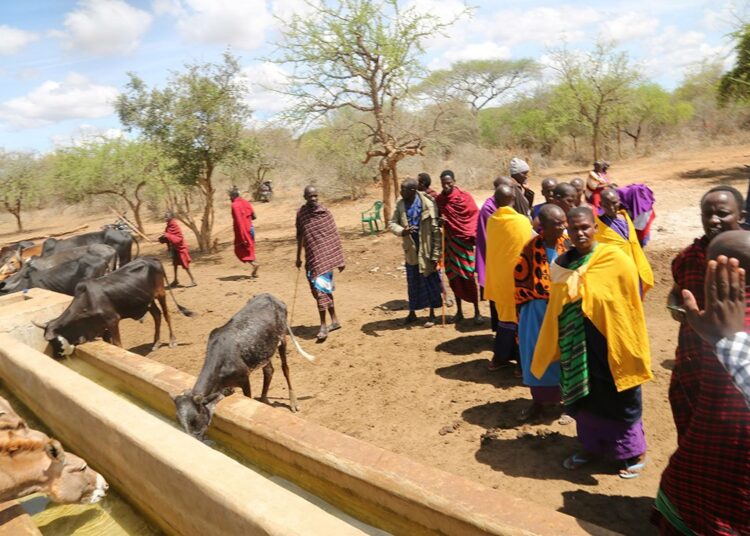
565 419
576 460
322 335
499 366
334 327
630 472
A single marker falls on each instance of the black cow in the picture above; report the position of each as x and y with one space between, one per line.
104 251
121 241
63 277
248 341
99 305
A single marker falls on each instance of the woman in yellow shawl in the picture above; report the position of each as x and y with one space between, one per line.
615 227
596 328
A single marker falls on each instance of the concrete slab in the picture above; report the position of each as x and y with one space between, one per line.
381 488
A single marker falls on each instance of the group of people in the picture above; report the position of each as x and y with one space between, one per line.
566 279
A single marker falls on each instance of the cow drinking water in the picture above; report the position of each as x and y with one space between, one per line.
248 341
99 305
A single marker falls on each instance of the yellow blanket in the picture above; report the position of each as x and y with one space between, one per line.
631 247
608 286
507 233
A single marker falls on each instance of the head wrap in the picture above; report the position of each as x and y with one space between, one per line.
518 166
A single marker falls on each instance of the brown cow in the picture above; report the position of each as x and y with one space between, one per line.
31 462
15 262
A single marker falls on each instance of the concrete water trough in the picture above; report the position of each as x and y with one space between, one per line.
306 479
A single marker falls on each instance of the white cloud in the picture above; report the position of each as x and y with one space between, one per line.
262 79
104 27
673 50
472 51
52 102
239 23
627 26
546 25
12 40
84 134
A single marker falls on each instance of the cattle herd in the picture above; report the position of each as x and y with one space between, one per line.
107 284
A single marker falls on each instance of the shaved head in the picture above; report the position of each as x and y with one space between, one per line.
732 244
578 183
502 180
579 212
504 195
550 183
548 212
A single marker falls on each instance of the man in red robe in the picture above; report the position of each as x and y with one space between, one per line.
178 248
459 214
244 235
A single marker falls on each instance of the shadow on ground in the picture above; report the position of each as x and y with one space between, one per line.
373 329
242 277
476 371
145 349
536 453
718 176
307 333
505 415
466 345
623 514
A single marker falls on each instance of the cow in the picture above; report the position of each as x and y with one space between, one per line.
62 278
99 304
246 342
121 241
13 261
104 251
31 462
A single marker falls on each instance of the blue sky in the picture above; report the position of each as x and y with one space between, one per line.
63 61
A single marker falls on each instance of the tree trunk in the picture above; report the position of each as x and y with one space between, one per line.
207 221
385 181
17 215
595 141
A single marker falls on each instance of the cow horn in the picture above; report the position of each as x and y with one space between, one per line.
40 326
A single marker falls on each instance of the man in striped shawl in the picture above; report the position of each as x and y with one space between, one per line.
318 235
458 213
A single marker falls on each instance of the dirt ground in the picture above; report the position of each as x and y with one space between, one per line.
399 387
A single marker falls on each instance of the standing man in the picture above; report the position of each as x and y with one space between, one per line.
176 243
507 232
524 197
596 328
615 227
721 211
532 295
415 220
459 212
423 185
318 235
244 236
705 488
488 209
548 187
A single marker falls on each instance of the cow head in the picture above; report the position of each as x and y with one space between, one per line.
82 321
71 479
194 412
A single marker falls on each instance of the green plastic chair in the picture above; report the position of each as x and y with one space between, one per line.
371 216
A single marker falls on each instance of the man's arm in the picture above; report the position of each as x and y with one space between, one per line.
734 353
394 226
722 323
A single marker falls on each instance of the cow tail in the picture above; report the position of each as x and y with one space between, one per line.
310 358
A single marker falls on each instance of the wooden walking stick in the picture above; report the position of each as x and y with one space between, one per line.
294 296
442 264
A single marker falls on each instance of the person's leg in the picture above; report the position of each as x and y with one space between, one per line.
174 280
410 318
192 279
334 320
255 266
477 315
323 331
459 316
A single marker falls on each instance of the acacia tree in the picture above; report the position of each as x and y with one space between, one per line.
651 108
19 182
362 55
478 83
599 83
735 85
132 171
196 121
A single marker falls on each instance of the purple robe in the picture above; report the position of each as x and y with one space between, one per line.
488 209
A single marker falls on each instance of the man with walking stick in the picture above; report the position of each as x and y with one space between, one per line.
318 235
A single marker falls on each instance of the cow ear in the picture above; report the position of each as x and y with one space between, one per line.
55 450
198 399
